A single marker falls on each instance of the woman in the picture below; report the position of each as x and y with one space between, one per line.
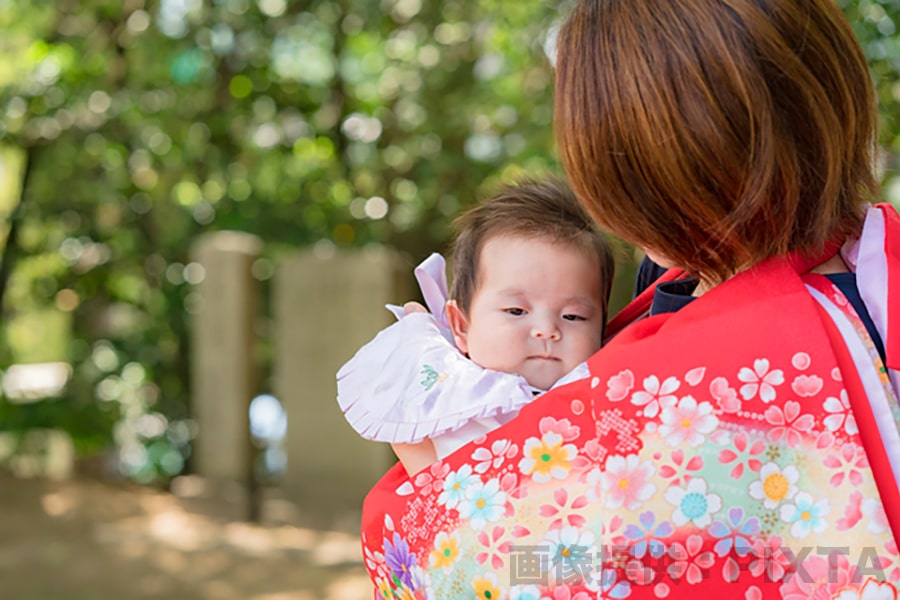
741 439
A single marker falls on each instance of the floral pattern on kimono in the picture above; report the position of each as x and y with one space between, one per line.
732 447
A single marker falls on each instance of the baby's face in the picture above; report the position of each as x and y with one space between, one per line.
537 310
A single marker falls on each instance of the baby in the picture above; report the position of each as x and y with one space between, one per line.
531 282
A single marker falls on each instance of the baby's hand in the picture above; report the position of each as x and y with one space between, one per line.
413 307
415 457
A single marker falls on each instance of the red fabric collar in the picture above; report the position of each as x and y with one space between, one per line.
640 306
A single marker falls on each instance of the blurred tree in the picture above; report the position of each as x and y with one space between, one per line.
129 127
875 23
141 125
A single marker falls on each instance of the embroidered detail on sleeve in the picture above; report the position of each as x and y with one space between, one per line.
432 377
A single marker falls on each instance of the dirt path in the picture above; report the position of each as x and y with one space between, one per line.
83 540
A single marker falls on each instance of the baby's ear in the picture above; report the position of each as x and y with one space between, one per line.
459 325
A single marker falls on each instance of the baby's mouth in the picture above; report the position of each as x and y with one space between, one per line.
544 357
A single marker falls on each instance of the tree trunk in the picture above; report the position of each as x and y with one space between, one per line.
11 251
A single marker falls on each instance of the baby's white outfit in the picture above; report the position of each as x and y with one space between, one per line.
411 382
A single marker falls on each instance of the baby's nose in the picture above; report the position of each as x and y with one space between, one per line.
546 331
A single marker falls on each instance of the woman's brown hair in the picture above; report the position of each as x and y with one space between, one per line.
716 133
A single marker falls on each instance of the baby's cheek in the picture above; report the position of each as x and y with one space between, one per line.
496 352
589 344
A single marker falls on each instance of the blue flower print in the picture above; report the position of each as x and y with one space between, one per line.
733 532
648 535
455 486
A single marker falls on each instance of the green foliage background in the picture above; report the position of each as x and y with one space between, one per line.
128 127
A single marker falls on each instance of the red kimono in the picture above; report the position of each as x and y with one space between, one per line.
746 445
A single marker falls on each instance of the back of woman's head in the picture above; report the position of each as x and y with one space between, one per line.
716 133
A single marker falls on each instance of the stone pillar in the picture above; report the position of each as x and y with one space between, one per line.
224 365
326 305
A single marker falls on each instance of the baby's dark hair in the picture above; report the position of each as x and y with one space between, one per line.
545 209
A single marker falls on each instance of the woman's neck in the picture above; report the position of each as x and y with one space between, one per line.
833 265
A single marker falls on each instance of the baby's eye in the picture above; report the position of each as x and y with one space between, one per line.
515 311
574 318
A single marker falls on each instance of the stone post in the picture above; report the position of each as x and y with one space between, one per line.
224 365
326 305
